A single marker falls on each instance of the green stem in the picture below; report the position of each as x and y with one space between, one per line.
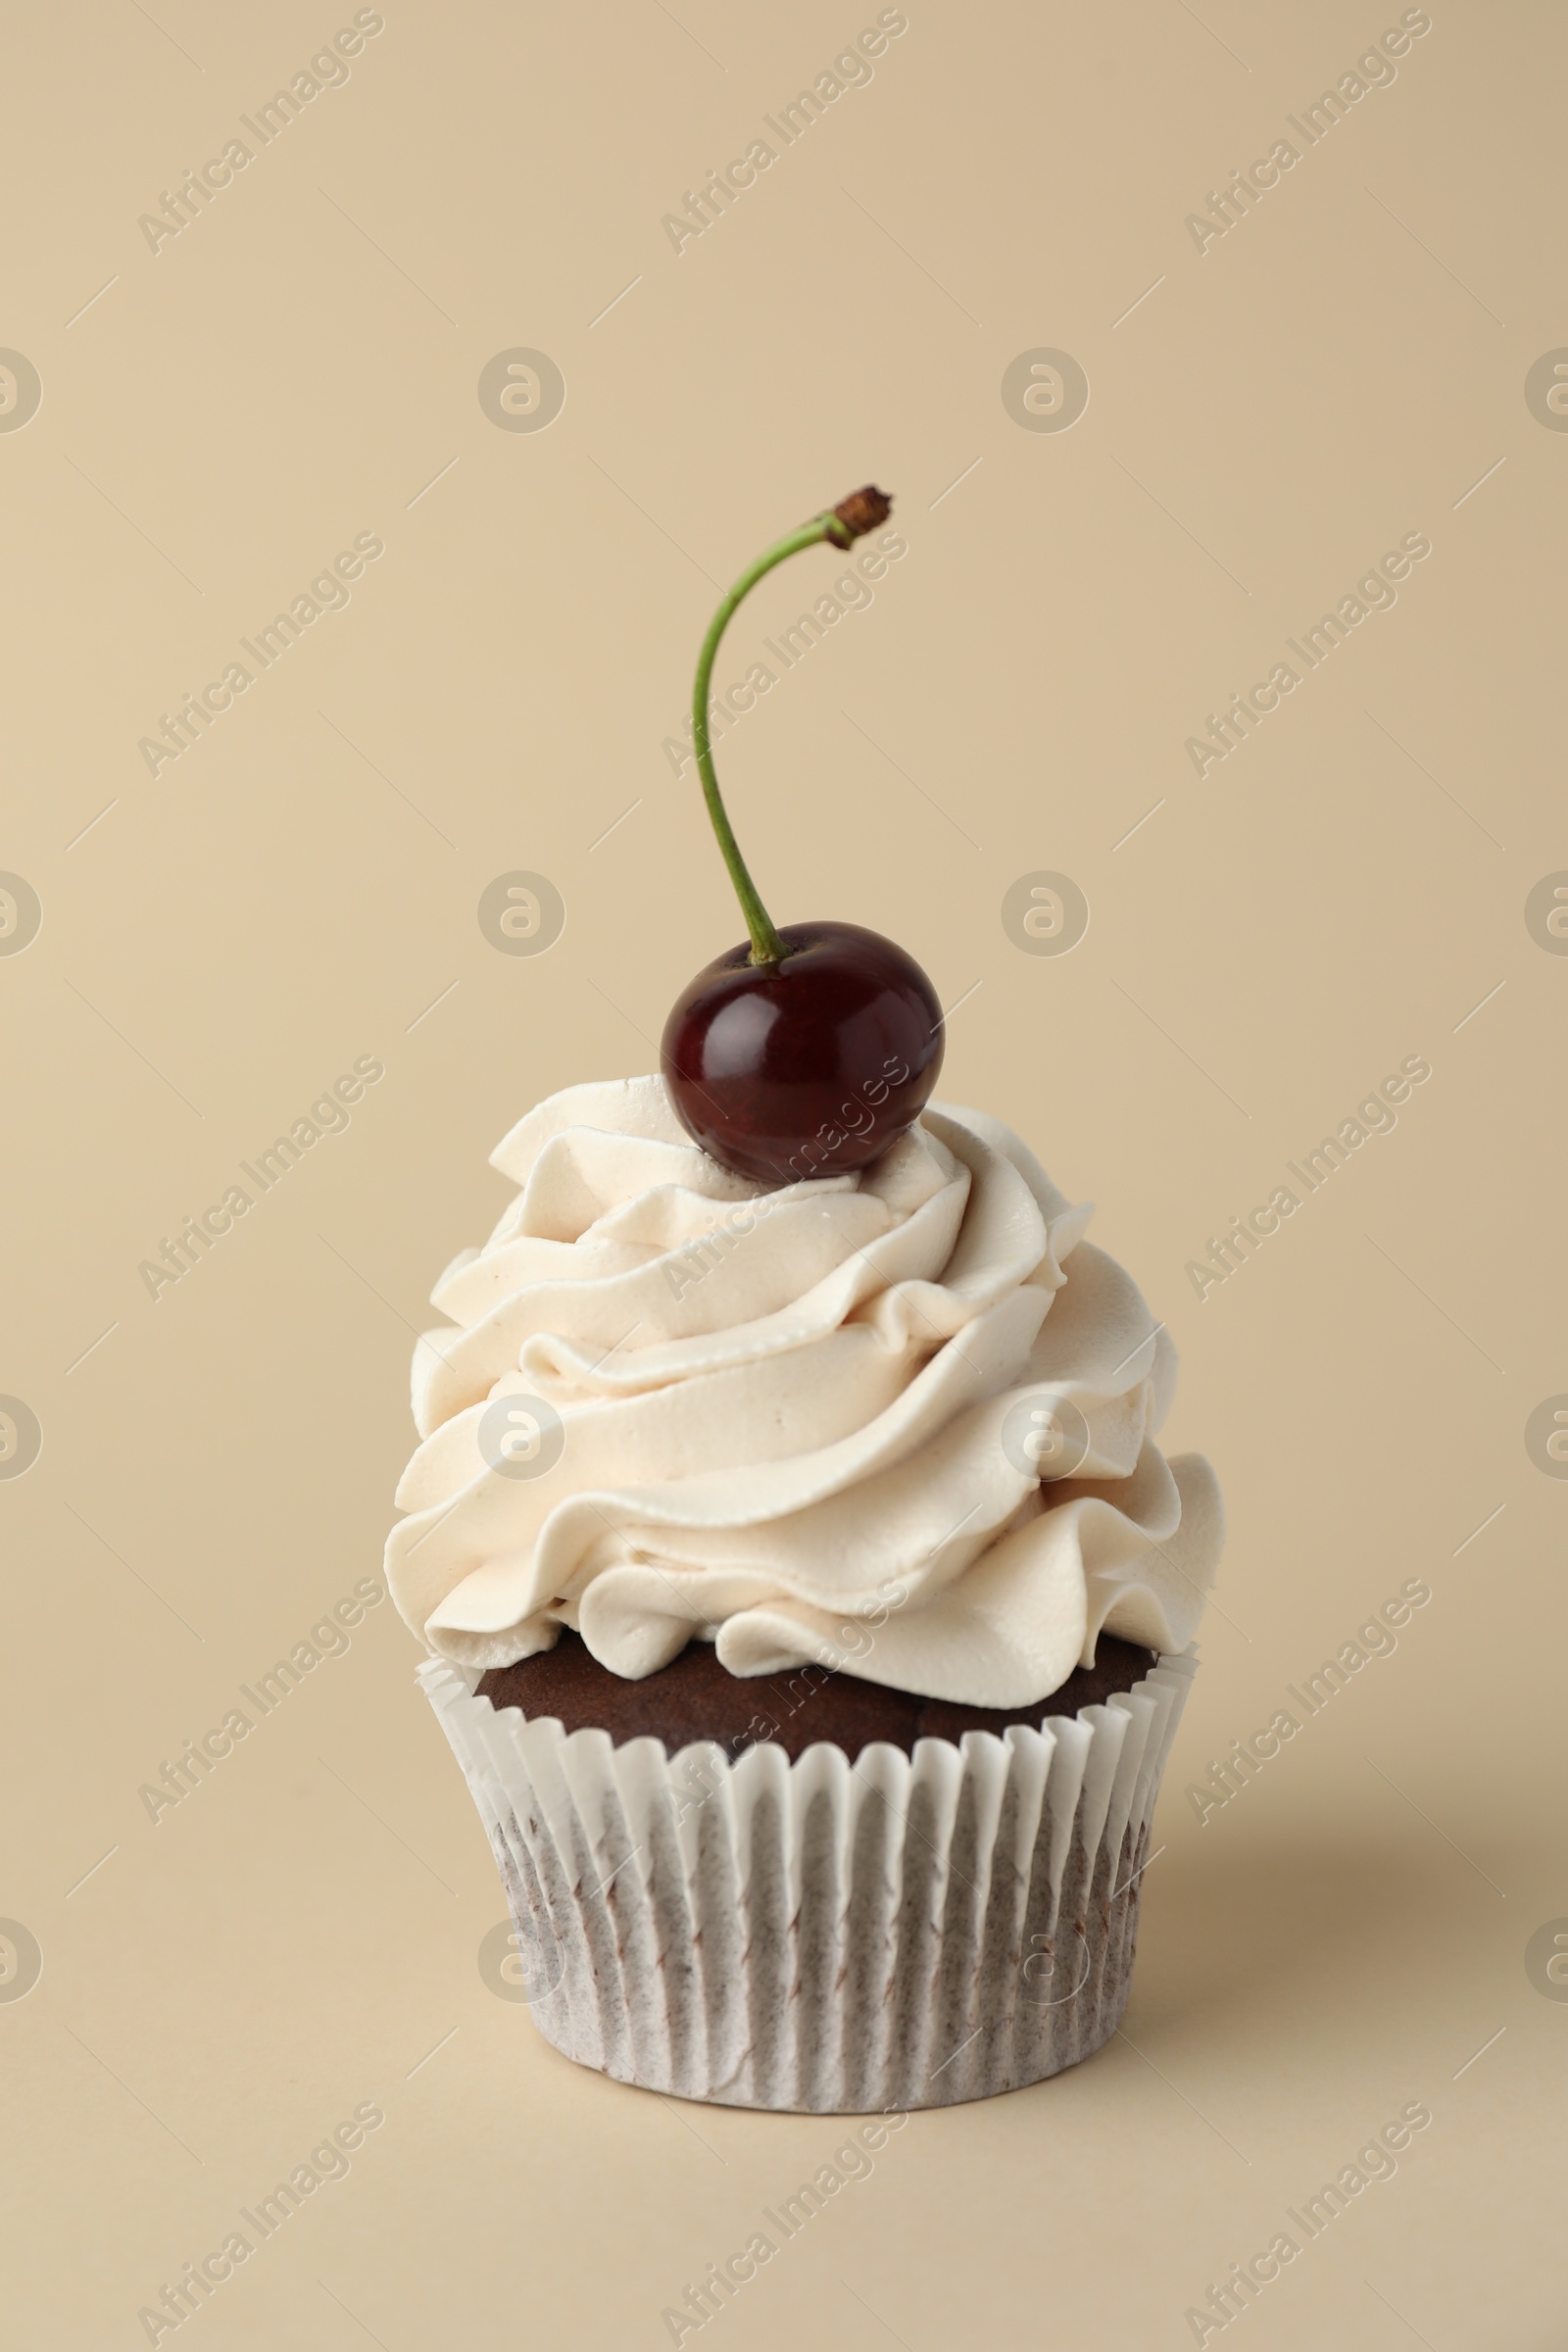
766 945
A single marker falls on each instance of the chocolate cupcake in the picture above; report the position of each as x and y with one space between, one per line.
811 1604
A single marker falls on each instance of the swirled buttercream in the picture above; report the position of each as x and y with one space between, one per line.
900 1422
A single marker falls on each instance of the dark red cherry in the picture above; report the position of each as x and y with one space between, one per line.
808 1066
809 1050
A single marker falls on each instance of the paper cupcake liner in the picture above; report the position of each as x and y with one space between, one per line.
905 1932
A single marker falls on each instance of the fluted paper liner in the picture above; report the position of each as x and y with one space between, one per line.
905 1932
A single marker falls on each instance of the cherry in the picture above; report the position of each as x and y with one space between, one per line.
807 1066
807 1051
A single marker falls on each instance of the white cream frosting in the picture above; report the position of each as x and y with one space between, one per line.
782 1418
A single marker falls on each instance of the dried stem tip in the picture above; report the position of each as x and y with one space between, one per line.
861 512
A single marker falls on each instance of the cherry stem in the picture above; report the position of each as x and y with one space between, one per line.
840 527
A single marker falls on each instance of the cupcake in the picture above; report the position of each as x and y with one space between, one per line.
810 1604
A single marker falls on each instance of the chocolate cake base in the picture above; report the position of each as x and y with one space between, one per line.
695 1697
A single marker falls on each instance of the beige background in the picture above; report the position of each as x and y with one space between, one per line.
299 365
